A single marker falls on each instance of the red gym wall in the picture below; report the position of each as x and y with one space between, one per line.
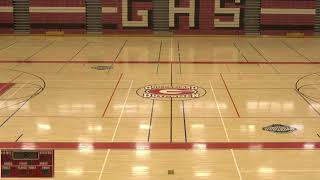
208 17
6 16
277 17
280 16
57 15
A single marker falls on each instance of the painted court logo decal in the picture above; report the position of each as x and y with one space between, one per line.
101 68
279 128
168 92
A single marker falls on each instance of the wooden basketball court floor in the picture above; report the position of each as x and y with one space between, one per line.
82 97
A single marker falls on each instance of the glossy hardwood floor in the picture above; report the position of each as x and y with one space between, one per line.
58 94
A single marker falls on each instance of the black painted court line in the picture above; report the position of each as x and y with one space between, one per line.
260 53
296 51
171 104
15 66
79 51
162 62
18 138
119 52
73 57
206 117
4 122
184 123
267 61
10 45
44 47
171 120
33 95
159 56
238 48
162 117
19 75
307 102
196 117
179 57
150 122
77 88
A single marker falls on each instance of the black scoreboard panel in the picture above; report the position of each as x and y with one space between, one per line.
27 163
25 155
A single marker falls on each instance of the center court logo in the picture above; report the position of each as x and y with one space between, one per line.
168 92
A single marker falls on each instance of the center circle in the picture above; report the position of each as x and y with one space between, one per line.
171 92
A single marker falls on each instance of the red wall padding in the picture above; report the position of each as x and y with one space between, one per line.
286 4
58 21
57 3
4 3
287 19
279 23
6 18
112 21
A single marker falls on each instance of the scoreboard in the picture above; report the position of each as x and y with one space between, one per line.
27 163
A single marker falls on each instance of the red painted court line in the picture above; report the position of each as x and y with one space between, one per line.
234 105
114 90
5 87
174 146
161 62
